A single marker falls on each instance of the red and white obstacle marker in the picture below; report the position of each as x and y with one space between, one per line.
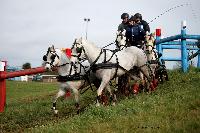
4 75
2 86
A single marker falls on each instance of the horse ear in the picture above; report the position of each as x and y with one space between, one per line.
75 40
53 46
147 33
147 37
153 34
81 39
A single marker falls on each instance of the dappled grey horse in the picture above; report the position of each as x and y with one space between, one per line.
107 64
72 74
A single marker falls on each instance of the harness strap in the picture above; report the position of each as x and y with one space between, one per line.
63 64
104 55
117 66
92 64
87 76
108 45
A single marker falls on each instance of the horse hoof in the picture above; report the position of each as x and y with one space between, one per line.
97 104
135 89
55 112
113 104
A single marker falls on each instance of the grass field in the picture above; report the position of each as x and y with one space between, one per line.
173 107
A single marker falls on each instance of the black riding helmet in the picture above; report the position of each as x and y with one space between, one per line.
124 15
132 18
138 15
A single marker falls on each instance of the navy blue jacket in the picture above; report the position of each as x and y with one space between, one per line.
135 33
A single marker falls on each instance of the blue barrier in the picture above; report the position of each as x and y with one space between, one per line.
183 45
198 63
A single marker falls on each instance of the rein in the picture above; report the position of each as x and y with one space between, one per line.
108 45
123 46
105 64
53 56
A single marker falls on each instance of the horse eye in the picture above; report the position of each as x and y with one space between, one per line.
44 58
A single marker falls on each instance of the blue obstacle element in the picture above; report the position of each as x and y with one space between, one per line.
183 45
198 63
179 43
178 47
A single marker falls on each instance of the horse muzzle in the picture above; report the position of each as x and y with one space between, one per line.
48 67
148 52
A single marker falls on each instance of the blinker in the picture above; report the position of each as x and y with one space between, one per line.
78 50
53 57
44 58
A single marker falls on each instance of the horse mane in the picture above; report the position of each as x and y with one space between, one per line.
83 40
63 57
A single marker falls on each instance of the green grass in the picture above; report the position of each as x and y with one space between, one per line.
173 107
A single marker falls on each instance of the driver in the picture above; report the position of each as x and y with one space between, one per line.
123 25
135 34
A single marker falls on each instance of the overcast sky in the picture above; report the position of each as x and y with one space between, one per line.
29 27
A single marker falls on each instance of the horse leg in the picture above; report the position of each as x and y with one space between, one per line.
153 69
113 97
60 93
166 75
125 82
143 81
146 73
103 84
135 87
127 85
76 97
117 81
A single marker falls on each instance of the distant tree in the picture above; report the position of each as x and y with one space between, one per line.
26 65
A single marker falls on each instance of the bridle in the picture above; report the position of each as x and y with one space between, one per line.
78 50
53 56
117 43
149 44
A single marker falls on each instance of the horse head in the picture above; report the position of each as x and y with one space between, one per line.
121 39
78 49
51 59
150 42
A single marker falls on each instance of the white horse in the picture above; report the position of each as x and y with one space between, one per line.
69 71
122 44
152 55
107 64
158 69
